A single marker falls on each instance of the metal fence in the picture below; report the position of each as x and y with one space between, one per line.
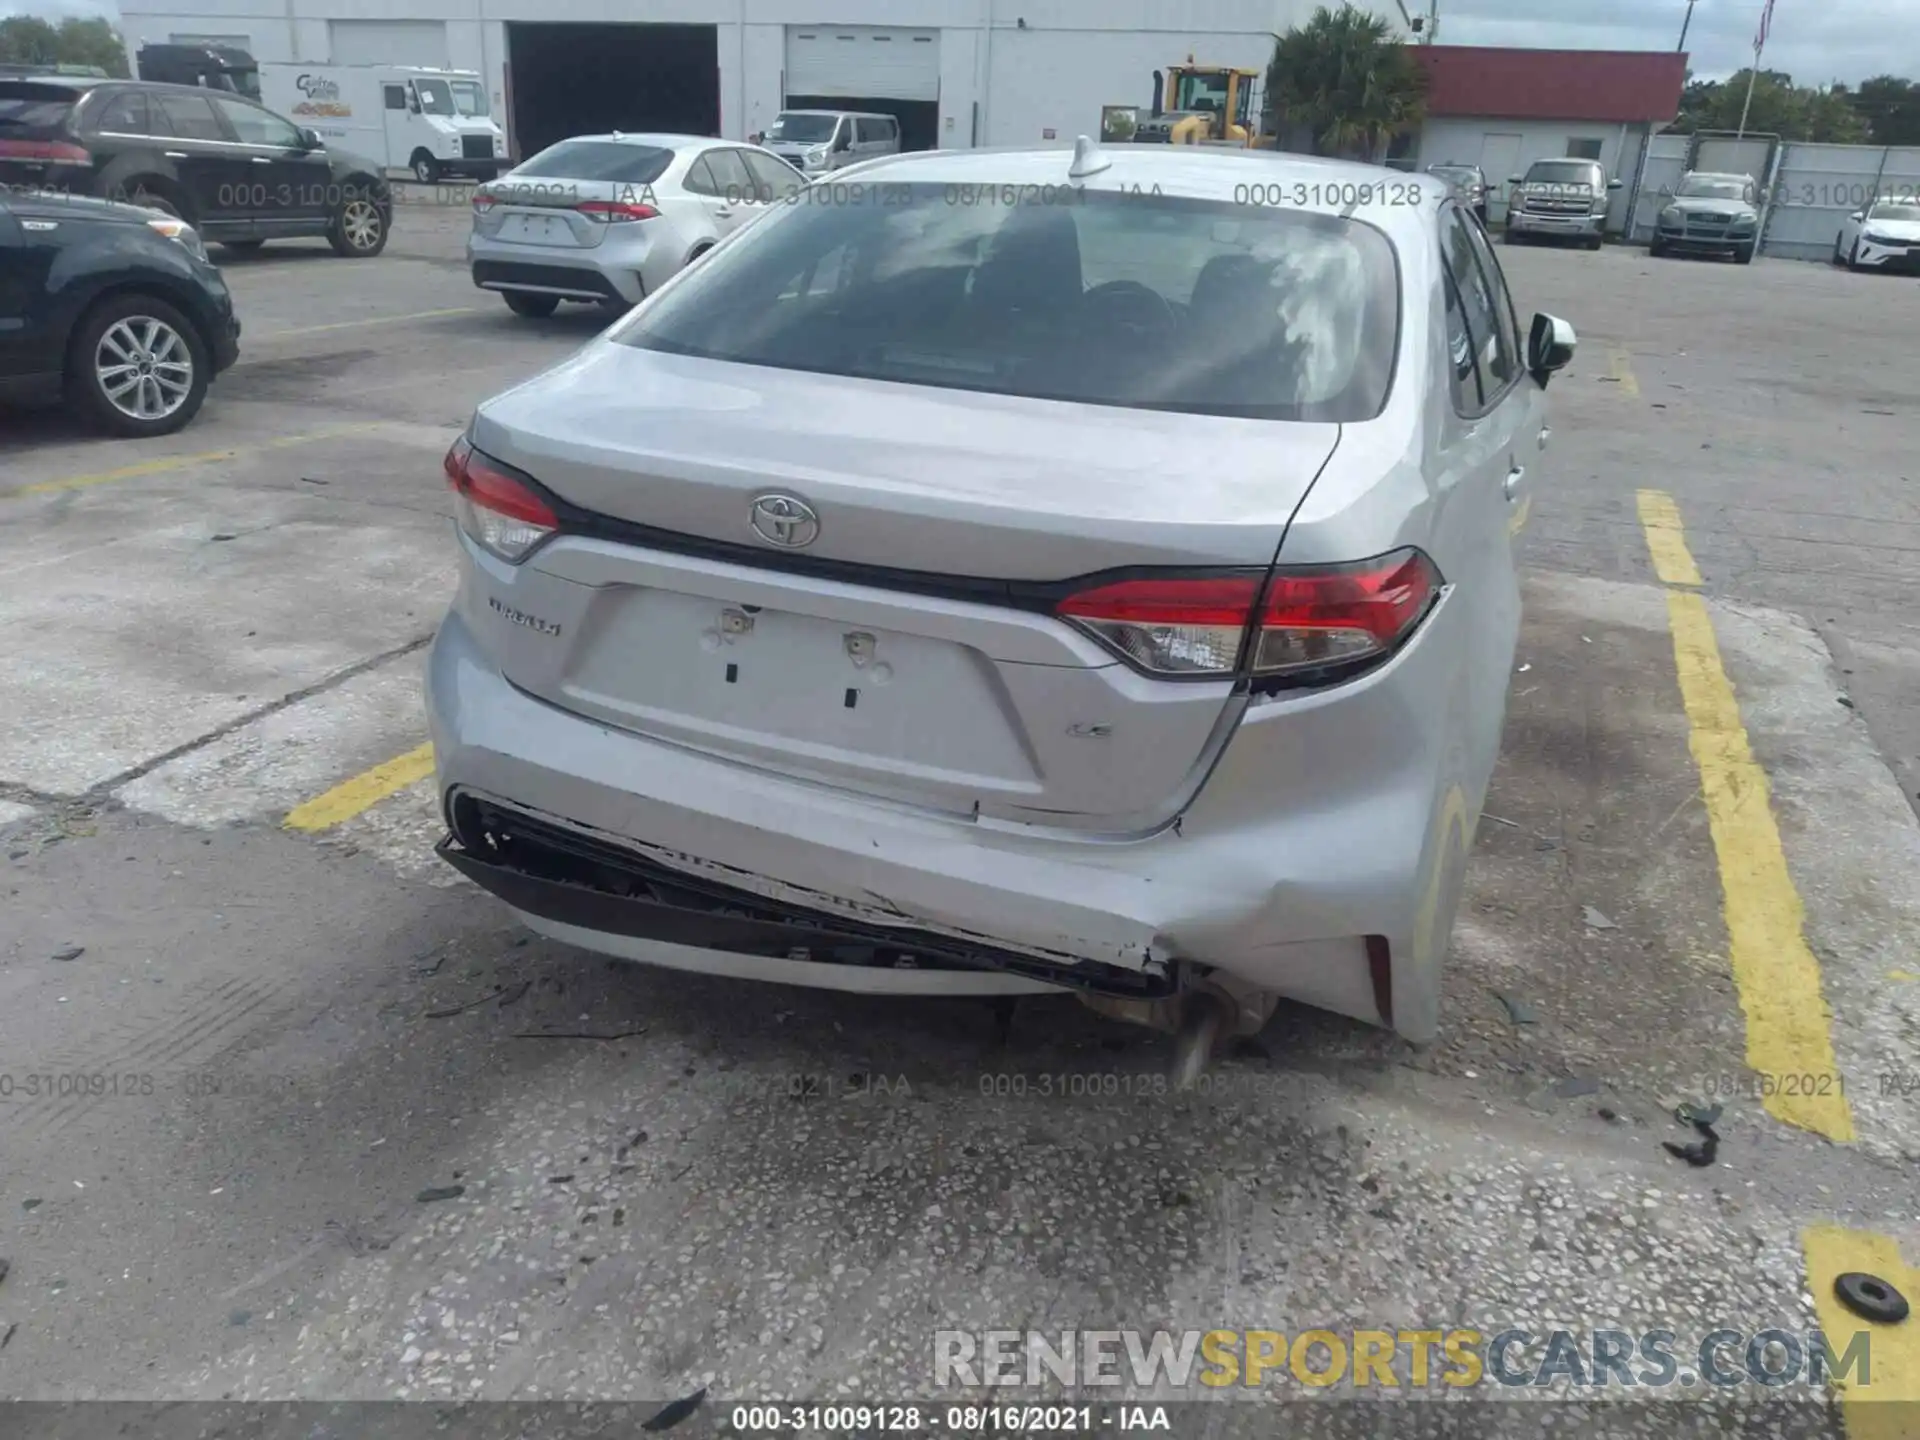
1812 188
1817 186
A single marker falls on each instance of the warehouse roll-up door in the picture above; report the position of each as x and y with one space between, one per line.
864 61
388 42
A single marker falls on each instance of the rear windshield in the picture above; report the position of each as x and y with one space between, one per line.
599 160
1099 297
803 129
34 112
1563 172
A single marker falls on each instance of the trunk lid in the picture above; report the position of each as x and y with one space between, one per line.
540 203
934 689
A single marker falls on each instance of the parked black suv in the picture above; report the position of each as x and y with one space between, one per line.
235 171
114 307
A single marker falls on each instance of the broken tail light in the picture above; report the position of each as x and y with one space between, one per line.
1303 619
496 507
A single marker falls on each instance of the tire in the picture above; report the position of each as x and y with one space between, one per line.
153 200
109 338
358 229
1597 243
1853 258
243 247
1655 249
425 168
1510 236
529 304
1743 255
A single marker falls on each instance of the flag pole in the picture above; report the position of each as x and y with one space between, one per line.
1753 74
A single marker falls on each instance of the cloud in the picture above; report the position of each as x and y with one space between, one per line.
1837 40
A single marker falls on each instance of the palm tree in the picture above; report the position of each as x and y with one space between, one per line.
1346 78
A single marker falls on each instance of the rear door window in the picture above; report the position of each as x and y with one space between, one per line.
190 117
730 177
1161 302
599 160
125 114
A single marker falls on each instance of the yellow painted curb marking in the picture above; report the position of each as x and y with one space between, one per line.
185 462
369 320
1622 370
1887 1405
1666 541
369 788
1789 1039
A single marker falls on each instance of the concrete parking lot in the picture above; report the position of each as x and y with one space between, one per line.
1699 878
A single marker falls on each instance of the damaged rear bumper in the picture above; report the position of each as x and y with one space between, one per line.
565 881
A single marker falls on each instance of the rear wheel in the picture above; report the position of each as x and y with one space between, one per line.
137 367
534 307
425 168
358 229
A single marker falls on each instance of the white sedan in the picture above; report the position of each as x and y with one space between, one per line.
1886 234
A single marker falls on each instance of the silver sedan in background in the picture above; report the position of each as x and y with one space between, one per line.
1038 570
609 219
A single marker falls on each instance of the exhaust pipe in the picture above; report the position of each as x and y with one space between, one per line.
1208 1011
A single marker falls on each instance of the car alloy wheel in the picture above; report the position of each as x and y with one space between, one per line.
360 223
144 367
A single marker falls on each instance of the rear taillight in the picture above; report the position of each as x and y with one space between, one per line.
54 152
615 212
1309 618
497 509
482 202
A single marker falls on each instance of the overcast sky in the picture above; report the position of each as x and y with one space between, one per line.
1815 41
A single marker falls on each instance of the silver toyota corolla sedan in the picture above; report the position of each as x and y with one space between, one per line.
1055 570
609 219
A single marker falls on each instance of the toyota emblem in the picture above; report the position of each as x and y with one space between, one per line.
785 520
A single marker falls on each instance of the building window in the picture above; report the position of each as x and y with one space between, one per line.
1584 149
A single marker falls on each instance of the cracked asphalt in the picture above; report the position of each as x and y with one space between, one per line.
277 1039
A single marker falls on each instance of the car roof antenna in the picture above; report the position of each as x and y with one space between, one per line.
1087 160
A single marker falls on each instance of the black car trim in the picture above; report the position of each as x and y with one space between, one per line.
572 877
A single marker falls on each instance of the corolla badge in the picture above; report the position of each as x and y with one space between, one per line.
784 520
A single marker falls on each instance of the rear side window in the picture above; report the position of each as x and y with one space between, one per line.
33 112
191 117
730 175
599 160
255 126
1101 298
773 178
125 114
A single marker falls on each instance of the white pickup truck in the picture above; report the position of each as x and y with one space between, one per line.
431 123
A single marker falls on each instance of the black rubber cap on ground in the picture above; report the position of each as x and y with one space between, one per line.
1871 1298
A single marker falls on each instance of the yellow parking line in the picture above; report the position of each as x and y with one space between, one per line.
369 788
1883 1401
1623 372
183 462
1666 540
370 320
1789 1041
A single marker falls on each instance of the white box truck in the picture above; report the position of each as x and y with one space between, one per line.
431 123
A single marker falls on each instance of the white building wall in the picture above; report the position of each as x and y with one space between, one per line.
1069 58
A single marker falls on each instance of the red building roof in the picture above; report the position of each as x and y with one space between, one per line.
1632 86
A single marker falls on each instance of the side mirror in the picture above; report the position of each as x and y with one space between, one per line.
1858 215
1666 190
311 139
1550 346
843 142
1515 180
1613 184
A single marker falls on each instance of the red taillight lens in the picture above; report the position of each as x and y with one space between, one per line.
615 212
56 152
1339 614
497 509
1173 626
482 202
1310 618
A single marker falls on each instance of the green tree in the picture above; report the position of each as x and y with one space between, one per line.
29 40
1793 112
1347 81
1891 108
